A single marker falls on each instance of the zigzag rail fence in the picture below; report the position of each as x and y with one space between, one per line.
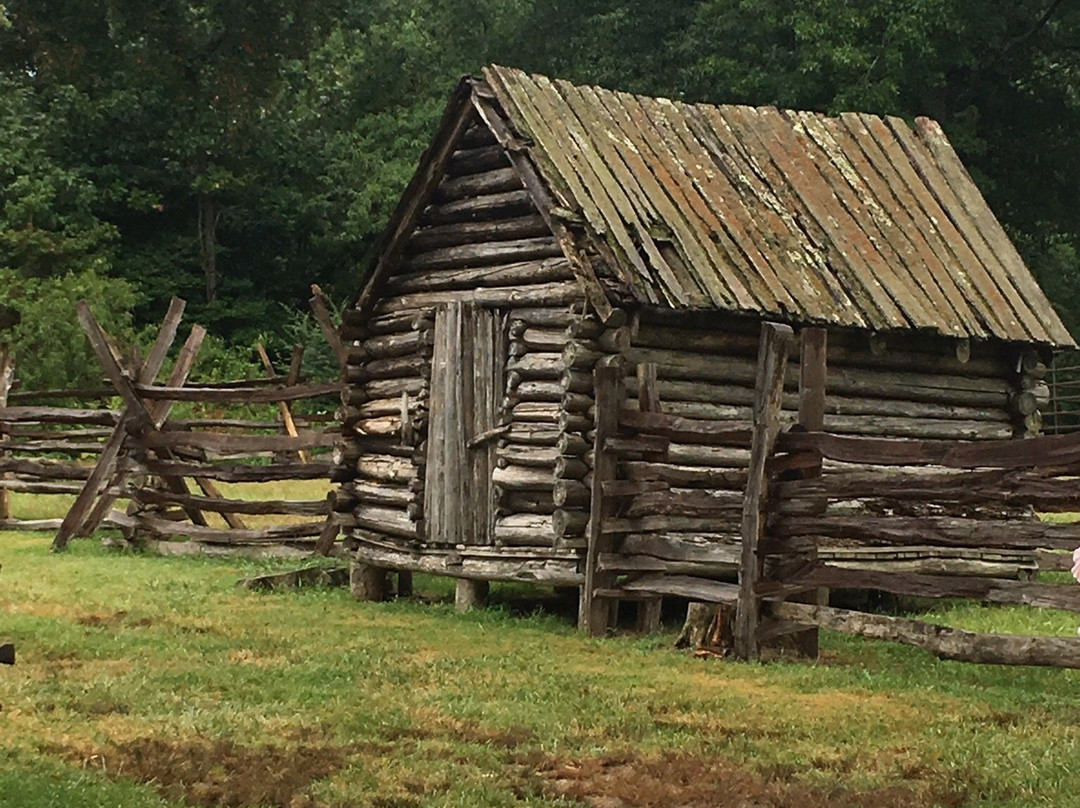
785 520
169 468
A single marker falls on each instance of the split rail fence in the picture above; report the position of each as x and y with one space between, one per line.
169 469
805 499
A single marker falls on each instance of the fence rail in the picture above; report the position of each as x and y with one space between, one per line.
807 510
141 454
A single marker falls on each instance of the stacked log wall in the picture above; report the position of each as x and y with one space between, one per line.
901 386
482 240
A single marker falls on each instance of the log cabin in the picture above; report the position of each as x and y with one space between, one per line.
552 228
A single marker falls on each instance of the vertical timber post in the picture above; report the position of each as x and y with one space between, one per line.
367 582
649 609
768 389
813 348
470 594
595 612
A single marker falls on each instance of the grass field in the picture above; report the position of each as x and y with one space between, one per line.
145 681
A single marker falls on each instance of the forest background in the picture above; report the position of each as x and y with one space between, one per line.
234 153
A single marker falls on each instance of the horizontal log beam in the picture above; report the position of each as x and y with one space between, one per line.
504 565
479 158
45 470
393 521
492 181
542 294
509 270
316 507
214 535
997 487
989 590
1047 451
520 530
523 478
685 586
469 256
686 475
239 473
220 442
687 430
719 522
699 504
489 206
58 415
450 235
944 642
526 455
238 395
68 447
1016 534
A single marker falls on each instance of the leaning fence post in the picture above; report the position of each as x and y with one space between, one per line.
768 389
82 516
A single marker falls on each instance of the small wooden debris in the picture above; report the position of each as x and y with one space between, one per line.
317 575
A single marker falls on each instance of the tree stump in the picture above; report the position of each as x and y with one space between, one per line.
708 626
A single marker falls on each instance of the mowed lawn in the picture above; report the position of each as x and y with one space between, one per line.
146 681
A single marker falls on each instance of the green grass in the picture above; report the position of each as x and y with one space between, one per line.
145 681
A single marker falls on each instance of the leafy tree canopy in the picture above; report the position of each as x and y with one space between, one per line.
234 153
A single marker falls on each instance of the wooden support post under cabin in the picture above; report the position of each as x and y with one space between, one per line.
286 413
404 584
75 522
367 582
7 379
812 373
595 613
648 615
470 594
768 389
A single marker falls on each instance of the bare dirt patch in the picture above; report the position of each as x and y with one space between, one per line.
215 774
498 739
681 781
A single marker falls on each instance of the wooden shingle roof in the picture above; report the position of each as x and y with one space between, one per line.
854 220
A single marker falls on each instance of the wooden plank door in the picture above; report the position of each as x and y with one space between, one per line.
466 393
